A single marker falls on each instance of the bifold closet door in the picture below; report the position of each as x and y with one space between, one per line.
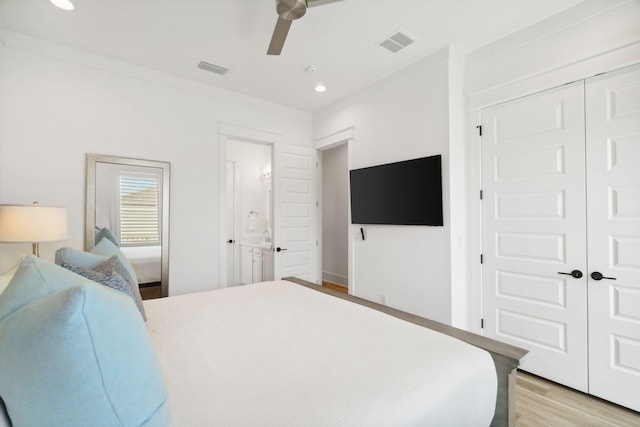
533 179
613 195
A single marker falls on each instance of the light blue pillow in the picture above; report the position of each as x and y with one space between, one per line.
105 233
79 257
4 418
35 278
80 357
104 250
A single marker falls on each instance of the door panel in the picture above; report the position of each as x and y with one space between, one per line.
613 182
295 175
533 228
232 256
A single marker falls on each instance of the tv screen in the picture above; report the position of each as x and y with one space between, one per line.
402 193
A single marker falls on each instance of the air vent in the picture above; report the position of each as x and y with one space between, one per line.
396 42
213 68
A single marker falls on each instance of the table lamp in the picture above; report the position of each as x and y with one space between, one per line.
33 224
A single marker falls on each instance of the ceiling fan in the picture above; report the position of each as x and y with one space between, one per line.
289 11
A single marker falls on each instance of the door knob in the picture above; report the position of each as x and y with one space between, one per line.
575 273
279 249
231 241
596 275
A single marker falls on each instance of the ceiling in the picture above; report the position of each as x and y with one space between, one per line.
340 39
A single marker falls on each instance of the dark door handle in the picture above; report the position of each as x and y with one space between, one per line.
231 241
575 273
596 275
279 249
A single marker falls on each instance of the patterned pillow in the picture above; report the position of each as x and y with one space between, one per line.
111 274
98 256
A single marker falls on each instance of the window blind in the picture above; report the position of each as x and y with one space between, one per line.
139 210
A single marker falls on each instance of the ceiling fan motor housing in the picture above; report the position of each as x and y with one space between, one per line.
291 9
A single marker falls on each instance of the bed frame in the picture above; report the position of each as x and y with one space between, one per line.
505 357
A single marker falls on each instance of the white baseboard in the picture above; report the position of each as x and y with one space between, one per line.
335 278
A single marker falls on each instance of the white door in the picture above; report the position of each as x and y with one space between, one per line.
613 183
231 244
295 210
534 231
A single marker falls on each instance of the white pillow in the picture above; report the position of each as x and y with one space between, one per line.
6 277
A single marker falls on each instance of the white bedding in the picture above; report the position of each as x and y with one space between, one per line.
145 261
278 354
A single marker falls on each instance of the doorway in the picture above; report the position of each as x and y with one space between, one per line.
335 217
249 212
289 221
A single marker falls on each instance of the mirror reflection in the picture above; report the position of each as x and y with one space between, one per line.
127 200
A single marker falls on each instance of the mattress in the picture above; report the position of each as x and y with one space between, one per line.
146 261
278 354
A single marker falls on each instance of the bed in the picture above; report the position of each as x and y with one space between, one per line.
146 261
281 353
275 353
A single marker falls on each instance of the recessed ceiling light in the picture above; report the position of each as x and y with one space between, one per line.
63 4
320 87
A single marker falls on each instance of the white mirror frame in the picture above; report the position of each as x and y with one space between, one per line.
90 211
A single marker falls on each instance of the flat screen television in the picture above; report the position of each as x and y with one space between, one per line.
401 193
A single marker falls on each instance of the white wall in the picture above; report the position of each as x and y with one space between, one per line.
594 35
61 104
433 107
402 117
335 215
591 38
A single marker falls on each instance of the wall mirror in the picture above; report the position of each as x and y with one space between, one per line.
130 197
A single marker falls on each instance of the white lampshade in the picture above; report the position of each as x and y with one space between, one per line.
32 223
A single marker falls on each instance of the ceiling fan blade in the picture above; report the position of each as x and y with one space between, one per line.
279 36
314 3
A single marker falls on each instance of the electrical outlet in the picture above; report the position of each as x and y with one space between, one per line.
383 299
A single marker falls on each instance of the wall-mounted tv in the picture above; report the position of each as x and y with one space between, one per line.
401 193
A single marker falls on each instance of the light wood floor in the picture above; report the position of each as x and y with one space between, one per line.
544 403
151 292
335 286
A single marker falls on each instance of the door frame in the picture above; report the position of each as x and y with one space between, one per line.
227 131
345 136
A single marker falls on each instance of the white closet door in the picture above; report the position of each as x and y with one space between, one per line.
295 225
613 182
534 228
